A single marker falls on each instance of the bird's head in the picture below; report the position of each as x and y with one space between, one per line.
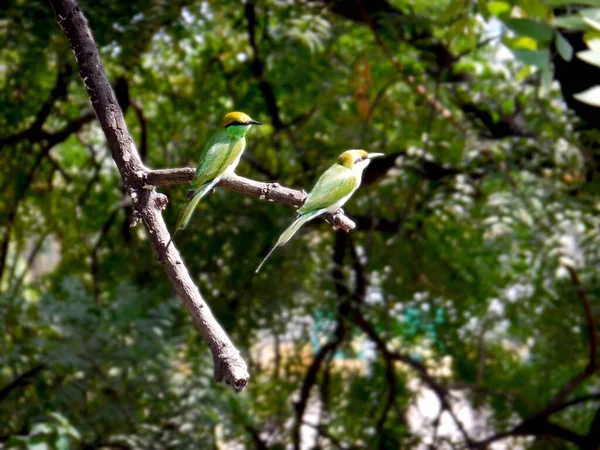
357 159
237 122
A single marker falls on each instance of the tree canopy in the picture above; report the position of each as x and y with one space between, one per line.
460 312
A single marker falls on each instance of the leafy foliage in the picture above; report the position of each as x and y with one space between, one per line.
473 255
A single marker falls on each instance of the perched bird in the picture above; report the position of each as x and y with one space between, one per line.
219 158
332 190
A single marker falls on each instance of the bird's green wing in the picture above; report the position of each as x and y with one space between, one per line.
218 154
336 183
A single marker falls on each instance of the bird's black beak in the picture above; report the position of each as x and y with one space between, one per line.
253 122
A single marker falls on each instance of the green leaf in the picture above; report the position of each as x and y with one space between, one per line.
573 22
526 27
590 56
535 8
546 76
40 428
483 8
60 418
538 58
555 3
499 9
590 96
522 42
17 441
454 8
37 443
592 39
565 50
62 442
591 17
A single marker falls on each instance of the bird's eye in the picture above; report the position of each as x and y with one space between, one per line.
233 123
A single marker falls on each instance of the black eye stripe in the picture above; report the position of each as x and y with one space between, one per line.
234 123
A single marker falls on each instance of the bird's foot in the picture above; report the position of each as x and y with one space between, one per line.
162 257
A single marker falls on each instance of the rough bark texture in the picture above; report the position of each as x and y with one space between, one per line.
229 365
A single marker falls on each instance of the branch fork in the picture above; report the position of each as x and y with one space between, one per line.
140 183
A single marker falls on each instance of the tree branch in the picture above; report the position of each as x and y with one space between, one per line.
272 192
34 132
21 380
148 204
419 88
258 71
592 365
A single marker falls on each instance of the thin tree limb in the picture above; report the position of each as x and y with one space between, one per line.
272 192
258 70
420 89
148 203
592 365
21 380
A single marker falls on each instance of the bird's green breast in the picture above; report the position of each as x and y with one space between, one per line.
335 184
220 152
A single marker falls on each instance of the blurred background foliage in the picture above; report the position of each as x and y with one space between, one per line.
463 306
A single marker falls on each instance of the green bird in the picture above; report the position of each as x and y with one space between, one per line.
332 190
219 158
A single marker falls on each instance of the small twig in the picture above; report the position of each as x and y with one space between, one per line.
420 89
323 432
592 365
311 378
257 68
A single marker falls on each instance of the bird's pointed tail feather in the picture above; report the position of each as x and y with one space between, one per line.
190 206
290 231
186 213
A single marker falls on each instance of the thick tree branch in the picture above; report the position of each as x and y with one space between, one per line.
272 192
229 365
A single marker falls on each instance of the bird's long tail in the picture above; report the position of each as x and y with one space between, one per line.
186 213
290 231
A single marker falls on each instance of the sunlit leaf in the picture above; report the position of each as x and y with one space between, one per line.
522 42
590 56
591 17
499 8
592 39
534 8
41 428
590 96
62 442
